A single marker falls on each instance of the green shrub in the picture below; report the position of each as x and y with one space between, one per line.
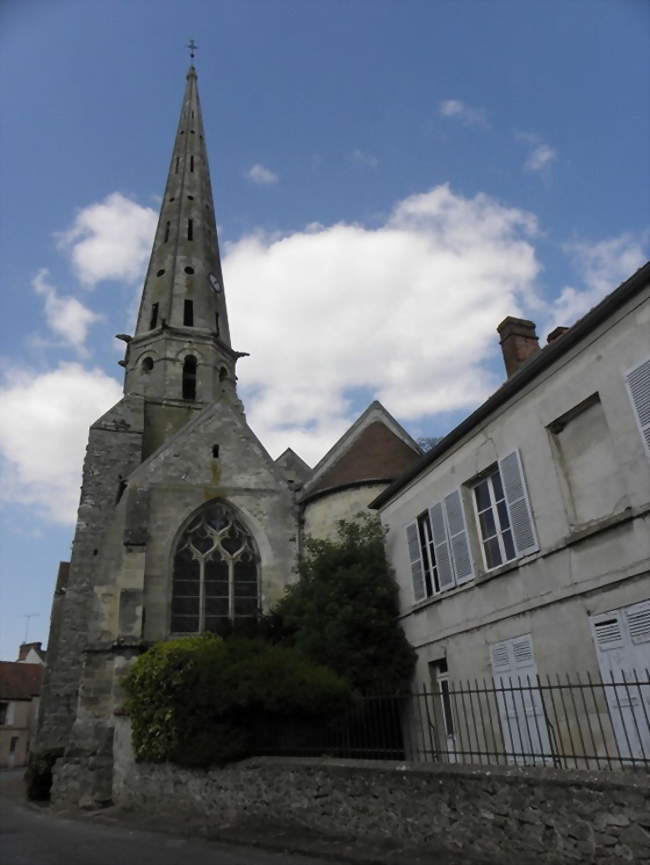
203 700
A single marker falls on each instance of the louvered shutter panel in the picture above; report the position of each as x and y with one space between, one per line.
608 632
638 622
522 655
500 656
521 521
460 552
638 382
441 547
415 558
523 720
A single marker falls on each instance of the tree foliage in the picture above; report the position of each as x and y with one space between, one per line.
342 612
202 700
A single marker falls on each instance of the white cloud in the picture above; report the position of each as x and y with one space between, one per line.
363 158
407 311
65 316
540 154
261 175
602 267
467 115
44 420
110 240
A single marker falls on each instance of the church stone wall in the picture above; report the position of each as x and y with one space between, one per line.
321 515
113 451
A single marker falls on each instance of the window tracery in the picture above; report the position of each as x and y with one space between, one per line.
215 578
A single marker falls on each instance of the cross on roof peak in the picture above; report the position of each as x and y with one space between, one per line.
192 46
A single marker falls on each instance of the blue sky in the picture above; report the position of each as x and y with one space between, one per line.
391 179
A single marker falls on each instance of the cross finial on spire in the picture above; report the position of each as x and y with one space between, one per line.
192 46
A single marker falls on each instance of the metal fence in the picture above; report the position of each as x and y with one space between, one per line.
568 722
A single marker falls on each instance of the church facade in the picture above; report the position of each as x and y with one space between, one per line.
185 524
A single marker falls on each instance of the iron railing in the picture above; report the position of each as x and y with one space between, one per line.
570 722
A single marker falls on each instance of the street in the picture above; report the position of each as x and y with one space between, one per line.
32 835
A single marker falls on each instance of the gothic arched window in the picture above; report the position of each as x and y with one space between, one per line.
215 579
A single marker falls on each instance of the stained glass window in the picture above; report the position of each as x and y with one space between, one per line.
215 580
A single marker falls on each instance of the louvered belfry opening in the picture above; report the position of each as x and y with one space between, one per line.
189 377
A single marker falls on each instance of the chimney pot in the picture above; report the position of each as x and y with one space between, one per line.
519 342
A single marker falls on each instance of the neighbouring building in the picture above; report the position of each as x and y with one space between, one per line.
185 522
521 541
20 688
373 451
31 653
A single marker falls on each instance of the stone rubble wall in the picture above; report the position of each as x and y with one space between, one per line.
508 815
113 451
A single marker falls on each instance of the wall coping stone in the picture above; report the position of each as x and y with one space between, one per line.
637 780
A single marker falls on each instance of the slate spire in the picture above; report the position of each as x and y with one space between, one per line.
185 263
183 308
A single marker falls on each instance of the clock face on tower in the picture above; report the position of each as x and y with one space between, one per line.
214 282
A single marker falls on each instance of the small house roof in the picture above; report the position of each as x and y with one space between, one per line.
375 448
20 681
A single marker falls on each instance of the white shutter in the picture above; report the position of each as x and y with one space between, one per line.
441 547
415 558
522 656
458 537
622 639
638 623
638 382
608 633
521 521
523 720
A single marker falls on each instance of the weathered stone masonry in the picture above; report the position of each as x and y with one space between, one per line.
113 451
510 816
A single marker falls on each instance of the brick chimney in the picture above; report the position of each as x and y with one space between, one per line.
556 333
518 342
25 649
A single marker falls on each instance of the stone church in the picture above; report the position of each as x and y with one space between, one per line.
185 523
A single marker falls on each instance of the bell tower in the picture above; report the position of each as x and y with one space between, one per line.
173 458
180 357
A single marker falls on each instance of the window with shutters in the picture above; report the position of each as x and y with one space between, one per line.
438 548
586 461
421 552
494 520
503 514
638 384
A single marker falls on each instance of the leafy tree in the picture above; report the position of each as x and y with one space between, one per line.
342 612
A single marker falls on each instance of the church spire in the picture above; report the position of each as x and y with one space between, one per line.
182 329
184 283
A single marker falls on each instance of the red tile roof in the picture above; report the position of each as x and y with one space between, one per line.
20 681
377 454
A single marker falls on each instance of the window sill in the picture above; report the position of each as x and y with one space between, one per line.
435 599
479 579
586 530
486 576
